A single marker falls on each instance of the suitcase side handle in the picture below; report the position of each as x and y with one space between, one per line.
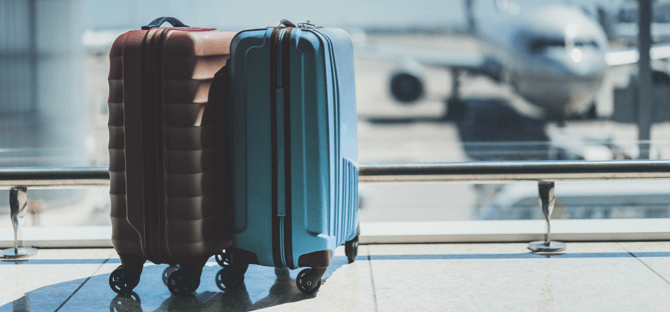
280 23
159 21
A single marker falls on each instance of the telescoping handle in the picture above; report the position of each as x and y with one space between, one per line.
159 21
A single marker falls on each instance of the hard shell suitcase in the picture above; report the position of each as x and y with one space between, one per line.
170 199
295 150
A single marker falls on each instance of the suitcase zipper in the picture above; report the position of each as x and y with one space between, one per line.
281 147
153 143
161 221
286 230
274 81
148 99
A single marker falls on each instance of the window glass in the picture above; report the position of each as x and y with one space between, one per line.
436 81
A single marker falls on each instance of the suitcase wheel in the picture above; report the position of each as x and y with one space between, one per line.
228 278
166 273
308 281
123 281
181 282
223 258
351 249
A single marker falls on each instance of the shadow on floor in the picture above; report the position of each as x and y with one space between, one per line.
261 289
490 129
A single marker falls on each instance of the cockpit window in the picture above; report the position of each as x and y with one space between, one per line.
540 45
586 43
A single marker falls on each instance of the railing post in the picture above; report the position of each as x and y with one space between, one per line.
547 199
18 202
645 91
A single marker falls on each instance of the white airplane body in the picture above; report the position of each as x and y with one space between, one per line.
553 55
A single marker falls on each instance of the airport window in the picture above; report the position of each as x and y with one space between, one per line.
435 82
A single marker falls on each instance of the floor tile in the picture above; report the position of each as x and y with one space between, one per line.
655 255
44 281
479 277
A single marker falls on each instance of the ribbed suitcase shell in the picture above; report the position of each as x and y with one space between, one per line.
170 201
314 163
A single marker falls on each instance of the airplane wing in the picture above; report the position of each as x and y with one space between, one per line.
631 56
468 61
488 65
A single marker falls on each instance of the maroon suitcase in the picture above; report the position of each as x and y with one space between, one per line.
170 192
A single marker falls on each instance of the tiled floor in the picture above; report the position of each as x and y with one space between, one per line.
431 277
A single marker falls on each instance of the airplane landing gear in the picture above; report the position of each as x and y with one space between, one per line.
591 113
455 108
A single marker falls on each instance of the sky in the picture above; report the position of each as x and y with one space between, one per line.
237 15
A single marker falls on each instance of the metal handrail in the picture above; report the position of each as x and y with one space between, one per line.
478 171
54 177
504 171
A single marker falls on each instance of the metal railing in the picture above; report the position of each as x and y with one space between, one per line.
510 171
54 177
18 180
479 171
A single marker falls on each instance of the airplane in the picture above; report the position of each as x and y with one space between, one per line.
553 55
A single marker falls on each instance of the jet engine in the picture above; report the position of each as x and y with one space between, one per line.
407 84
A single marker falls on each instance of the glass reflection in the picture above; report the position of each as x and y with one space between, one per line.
128 302
22 304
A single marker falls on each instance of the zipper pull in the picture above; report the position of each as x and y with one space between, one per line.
306 25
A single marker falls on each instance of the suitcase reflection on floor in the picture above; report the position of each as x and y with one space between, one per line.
126 302
251 295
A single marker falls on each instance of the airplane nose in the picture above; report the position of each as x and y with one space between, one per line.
572 44
581 63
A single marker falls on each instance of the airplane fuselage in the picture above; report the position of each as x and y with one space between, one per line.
553 55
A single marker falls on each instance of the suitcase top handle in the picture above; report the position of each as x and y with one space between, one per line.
280 23
287 23
159 21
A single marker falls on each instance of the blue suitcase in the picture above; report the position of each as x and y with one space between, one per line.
295 151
